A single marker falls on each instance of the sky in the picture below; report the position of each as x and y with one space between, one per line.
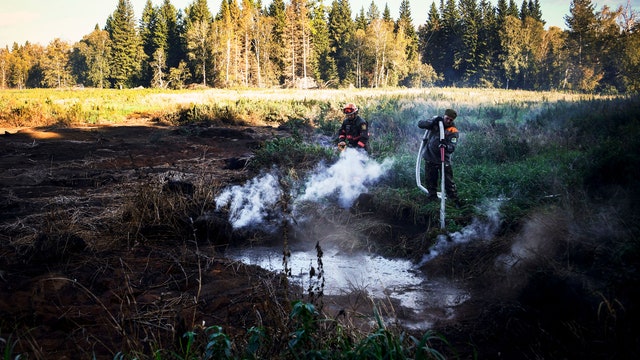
41 21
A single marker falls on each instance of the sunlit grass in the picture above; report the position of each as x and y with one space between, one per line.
41 107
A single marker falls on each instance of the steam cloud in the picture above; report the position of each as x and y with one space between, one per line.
479 229
251 203
347 178
254 202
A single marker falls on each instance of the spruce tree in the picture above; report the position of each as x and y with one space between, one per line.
466 57
325 69
125 45
488 44
581 40
150 39
276 11
451 42
341 30
174 46
406 23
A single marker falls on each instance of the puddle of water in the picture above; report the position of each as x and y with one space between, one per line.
379 277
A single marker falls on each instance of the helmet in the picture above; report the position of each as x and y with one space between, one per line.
350 109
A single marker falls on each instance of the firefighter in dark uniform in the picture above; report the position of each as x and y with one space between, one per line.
354 132
432 156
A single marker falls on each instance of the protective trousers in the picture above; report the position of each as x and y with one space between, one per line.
433 174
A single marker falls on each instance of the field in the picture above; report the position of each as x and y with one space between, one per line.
112 245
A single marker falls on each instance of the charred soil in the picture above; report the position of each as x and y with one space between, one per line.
91 265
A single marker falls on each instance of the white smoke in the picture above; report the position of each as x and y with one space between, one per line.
250 204
479 229
347 178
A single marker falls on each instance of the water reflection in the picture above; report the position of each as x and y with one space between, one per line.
380 277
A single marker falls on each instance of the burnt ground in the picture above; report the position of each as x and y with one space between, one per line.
94 255
109 243
81 275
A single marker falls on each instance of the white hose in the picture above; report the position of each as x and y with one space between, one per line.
442 187
418 182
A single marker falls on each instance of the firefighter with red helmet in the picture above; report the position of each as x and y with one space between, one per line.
354 131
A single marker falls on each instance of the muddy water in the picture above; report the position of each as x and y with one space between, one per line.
425 300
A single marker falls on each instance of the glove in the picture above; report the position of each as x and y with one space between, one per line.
342 145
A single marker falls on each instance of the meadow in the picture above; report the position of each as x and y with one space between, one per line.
554 279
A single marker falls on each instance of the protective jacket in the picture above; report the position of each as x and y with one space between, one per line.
432 145
355 132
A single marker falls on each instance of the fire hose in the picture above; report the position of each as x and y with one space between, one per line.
418 181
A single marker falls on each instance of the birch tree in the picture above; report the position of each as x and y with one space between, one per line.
198 24
5 60
298 40
247 22
197 46
94 50
55 64
380 36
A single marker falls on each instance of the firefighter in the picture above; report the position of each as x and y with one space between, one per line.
433 161
354 132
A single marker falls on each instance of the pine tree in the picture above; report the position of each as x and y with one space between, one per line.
125 48
466 57
361 21
386 14
277 13
451 41
488 45
150 38
581 45
405 23
124 57
325 70
524 10
341 32
430 40
512 10
535 11
174 46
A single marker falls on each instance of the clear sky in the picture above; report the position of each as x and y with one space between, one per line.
41 21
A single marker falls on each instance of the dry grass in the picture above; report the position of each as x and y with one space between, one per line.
45 107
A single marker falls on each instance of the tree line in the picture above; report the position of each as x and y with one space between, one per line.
304 43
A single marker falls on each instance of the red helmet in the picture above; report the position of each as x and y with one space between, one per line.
350 109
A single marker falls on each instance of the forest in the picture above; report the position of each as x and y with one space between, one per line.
308 44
